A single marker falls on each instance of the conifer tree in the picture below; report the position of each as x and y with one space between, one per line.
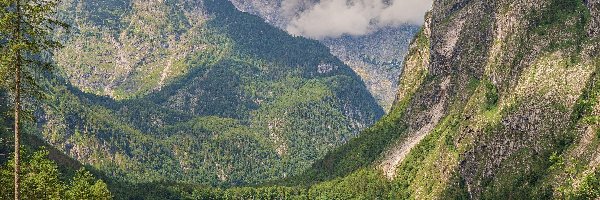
26 42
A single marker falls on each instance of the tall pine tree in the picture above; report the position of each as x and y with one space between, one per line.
26 42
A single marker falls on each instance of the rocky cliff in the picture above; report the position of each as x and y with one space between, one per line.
497 99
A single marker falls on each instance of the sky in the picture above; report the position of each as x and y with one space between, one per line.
334 18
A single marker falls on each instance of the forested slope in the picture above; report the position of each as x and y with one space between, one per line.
195 92
45 171
375 56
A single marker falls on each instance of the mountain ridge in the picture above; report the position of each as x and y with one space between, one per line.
225 99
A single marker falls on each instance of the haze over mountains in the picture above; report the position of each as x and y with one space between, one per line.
371 37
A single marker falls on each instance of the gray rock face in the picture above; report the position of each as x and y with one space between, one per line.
527 117
594 26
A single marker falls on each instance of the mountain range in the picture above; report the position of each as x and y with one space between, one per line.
194 99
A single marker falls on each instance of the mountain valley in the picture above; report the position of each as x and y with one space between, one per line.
217 99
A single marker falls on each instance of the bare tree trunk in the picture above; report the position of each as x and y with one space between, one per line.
18 103
17 134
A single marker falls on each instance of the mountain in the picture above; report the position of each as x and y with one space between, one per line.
195 92
45 171
498 99
376 56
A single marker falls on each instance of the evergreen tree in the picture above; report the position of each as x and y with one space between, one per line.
41 180
25 44
40 177
84 186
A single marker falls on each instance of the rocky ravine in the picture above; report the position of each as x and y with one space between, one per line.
377 57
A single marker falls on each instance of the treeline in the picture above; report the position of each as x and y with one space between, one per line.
41 179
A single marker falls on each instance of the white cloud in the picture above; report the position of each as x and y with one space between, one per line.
334 18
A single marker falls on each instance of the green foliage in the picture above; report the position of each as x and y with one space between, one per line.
259 193
170 190
417 157
256 107
491 95
182 142
524 181
252 105
26 43
41 179
85 186
589 187
258 39
358 152
106 13
5 134
361 184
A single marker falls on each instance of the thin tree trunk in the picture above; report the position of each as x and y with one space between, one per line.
17 134
17 103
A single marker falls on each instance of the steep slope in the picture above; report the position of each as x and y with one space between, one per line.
498 99
195 91
376 57
46 172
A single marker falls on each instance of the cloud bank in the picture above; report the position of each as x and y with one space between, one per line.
334 18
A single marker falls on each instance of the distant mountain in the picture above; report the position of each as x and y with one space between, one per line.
195 91
376 57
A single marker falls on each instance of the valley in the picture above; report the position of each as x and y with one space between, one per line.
219 99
